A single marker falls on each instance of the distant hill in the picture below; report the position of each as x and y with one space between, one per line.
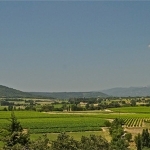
7 92
12 93
67 95
131 91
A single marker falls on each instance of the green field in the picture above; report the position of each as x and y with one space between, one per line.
137 109
75 135
38 122
79 123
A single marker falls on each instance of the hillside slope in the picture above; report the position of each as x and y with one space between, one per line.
67 95
12 93
131 91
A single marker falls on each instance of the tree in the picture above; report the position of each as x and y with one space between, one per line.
94 143
116 131
87 106
119 144
138 141
47 108
116 127
128 137
5 109
145 138
10 107
65 142
142 141
133 102
14 134
42 143
15 138
107 123
74 107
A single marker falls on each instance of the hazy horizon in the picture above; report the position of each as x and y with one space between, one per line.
102 90
78 46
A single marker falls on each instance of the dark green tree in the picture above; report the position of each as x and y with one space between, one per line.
87 106
118 141
138 141
94 143
128 136
133 102
142 141
107 123
145 138
14 134
74 107
42 143
116 127
65 142
10 107
119 144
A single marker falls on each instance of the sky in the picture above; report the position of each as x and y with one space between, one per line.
63 46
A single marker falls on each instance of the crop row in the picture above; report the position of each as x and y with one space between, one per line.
56 123
134 122
38 122
62 124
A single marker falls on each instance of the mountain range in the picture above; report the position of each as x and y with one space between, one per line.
7 92
125 92
67 95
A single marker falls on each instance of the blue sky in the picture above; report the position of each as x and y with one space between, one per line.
74 45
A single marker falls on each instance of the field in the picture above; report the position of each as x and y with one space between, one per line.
80 123
75 135
138 109
38 122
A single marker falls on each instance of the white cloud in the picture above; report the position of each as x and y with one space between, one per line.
148 46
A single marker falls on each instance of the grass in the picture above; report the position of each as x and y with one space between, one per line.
75 135
137 109
2 107
57 105
23 114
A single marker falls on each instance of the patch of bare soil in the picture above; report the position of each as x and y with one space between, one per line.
134 131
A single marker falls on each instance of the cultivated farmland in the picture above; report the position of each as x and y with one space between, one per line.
38 122
77 122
